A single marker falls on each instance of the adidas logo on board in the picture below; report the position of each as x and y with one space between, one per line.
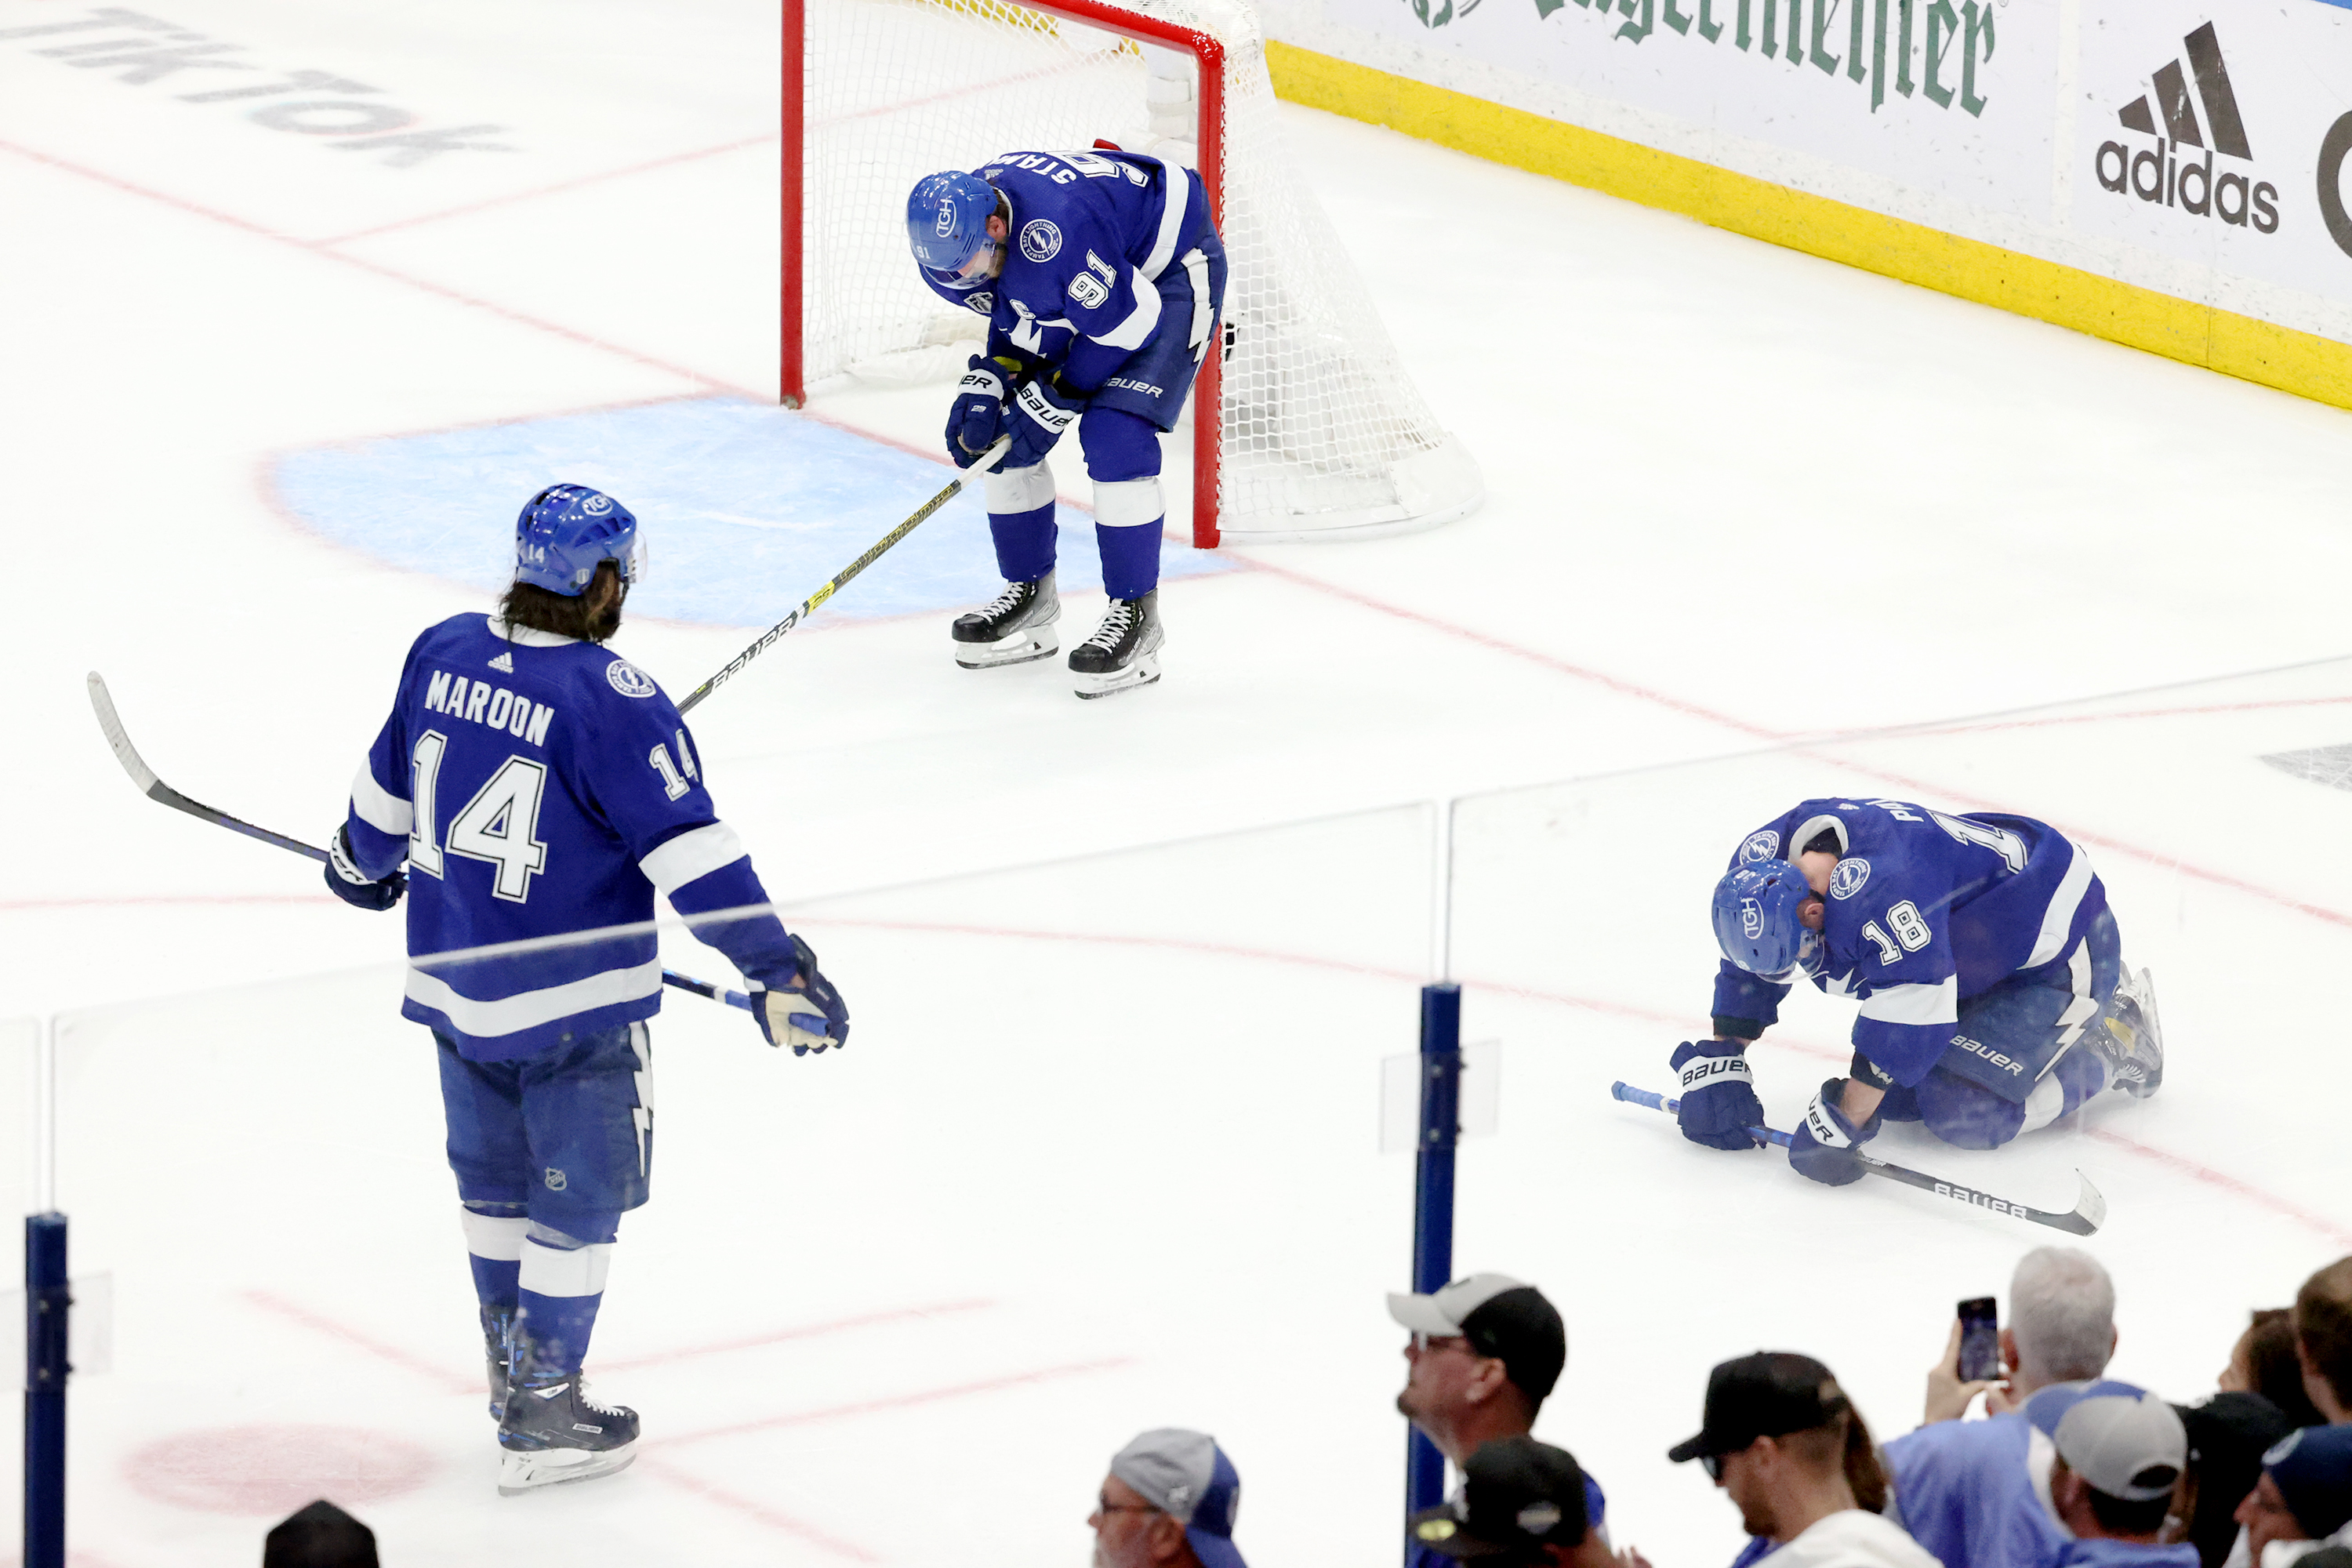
2159 174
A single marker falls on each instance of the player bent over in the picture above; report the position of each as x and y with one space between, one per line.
537 784
1988 968
1102 276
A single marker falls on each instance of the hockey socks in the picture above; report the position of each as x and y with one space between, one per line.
1024 541
1130 558
494 1244
563 1284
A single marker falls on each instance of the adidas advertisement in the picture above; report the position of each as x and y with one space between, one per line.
2217 134
1953 99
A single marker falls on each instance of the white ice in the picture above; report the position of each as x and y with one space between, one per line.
1103 1154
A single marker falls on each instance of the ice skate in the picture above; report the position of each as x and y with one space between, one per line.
553 1434
2131 1039
1124 651
1014 628
498 1353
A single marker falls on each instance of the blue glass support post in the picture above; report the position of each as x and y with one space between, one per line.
1432 1200
47 1304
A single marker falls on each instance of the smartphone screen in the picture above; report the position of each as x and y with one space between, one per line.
1980 1339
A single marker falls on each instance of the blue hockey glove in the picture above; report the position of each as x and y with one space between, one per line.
353 886
1719 1094
1827 1147
1042 412
976 418
808 1013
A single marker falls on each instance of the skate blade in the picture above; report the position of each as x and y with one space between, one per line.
1144 672
1021 648
529 1472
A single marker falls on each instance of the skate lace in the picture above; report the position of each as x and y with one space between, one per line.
589 1401
1115 624
1008 601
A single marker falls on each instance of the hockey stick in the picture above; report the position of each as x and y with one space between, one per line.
2089 1212
161 793
986 463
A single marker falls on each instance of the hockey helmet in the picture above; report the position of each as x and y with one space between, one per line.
1756 923
947 224
565 531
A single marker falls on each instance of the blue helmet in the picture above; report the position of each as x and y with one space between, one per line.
947 224
1756 919
565 530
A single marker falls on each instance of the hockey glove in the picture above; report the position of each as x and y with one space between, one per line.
353 886
1827 1147
1719 1094
807 1014
1042 412
976 418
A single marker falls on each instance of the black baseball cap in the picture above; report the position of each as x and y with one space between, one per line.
1501 1318
1768 1394
1517 1495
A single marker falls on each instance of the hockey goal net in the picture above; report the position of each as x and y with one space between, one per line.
1316 432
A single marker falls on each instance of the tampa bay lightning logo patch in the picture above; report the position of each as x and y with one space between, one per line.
1041 239
1762 844
628 679
1846 880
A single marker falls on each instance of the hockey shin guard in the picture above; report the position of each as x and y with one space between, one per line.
1129 516
494 1248
562 1285
1021 521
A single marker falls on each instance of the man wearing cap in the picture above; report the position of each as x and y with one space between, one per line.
1167 1503
1521 1503
1787 1445
2303 1498
1485 1353
2119 1456
1977 1494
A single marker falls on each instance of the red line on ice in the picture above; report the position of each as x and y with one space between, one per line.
652 1465
908 1401
374 1347
807 1331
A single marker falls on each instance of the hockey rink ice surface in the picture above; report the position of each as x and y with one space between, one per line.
1104 1151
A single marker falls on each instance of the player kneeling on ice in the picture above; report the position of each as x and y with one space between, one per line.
538 785
1102 276
1988 969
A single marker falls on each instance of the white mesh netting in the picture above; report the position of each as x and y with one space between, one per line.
1321 435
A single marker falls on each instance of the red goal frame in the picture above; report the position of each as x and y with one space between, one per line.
1208 54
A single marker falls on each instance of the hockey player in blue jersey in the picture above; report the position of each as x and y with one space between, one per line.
1988 968
1102 276
538 786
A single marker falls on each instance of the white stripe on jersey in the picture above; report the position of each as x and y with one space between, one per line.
1936 1003
1178 196
1131 333
692 854
2059 918
379 807
529 1009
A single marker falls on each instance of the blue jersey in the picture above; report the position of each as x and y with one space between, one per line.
1092 232
536 786
1925 910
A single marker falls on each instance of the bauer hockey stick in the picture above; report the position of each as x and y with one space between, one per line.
161 793
986 463
2089 1212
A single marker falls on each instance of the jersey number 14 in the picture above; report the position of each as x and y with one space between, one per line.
499 824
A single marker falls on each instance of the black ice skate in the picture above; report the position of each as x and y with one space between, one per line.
2131 1039
554 1433
497 1354
1014 628
1124 651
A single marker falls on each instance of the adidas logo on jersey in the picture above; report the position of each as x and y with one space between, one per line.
2159 175
503 664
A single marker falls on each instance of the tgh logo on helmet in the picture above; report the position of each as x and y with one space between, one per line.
1751 918
596 506
944 224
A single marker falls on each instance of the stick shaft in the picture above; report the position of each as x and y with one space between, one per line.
767 638
2076 1221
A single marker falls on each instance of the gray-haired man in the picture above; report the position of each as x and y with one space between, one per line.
1167 1503
2061 1329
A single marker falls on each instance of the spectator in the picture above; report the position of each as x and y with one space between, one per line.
319 1536
2266 1361
2119 1456
2322 1338
1167 1503
1521 1505
1485 1353
1976 1493
1786 1444
2304 1496
2061 1329
2228 1435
